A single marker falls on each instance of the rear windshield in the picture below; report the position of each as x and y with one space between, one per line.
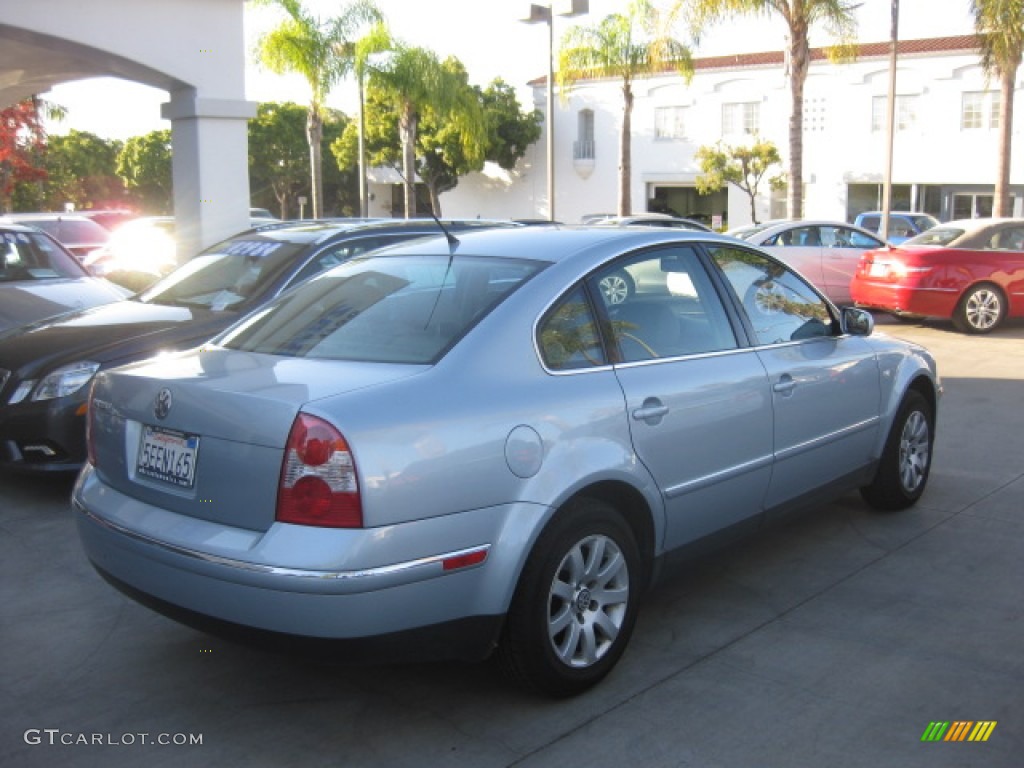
936 236
30 256
226 276
397 309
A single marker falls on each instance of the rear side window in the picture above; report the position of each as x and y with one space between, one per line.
383 309
569 339
662 304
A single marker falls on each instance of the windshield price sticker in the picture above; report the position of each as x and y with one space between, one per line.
168 456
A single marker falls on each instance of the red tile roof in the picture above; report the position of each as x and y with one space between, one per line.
955 44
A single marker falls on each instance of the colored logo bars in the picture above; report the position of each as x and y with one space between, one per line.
959 730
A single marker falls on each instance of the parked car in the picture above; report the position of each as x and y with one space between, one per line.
903 225
143 250
39 279
446 449
42 405
825 252
651 220
970 270
109 218
78 234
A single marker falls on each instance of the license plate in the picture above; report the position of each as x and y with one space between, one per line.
878 269
168 456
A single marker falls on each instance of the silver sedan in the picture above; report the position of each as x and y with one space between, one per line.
825 252
459 448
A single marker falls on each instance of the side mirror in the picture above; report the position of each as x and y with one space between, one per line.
857 322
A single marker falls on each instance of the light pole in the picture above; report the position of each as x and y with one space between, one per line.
545 14
890 115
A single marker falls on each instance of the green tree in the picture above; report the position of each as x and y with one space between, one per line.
278 156
510 131
800 16
623 46
743 167
1000 28
144 164
416 83
441 160
81 169
320 50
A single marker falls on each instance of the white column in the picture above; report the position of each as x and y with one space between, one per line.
210 167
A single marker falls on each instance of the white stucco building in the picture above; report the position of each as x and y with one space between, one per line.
192 49
944 151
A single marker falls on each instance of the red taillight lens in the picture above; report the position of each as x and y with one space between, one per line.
318 477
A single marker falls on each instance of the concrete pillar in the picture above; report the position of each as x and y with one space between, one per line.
210 167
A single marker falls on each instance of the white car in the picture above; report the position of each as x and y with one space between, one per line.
825 252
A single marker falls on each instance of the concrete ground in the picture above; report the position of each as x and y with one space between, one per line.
832 641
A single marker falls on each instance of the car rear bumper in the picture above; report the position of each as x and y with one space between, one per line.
902 299
389 582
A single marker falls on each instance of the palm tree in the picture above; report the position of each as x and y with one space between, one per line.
416 80
314 48
1000 28
621 46
800 16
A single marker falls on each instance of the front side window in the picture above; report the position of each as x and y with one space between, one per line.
396 309
781 307
844 237
662 304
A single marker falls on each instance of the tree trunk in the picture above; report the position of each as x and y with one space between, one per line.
625 152
799 60
315 135
407 125
1002 202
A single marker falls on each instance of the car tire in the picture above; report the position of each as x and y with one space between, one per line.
576 602
907 457
616 287
980 310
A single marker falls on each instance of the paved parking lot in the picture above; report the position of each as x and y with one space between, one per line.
831 641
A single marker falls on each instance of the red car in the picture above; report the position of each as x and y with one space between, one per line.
971 271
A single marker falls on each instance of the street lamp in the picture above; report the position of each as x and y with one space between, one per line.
545 14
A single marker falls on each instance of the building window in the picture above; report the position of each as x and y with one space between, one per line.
814 115
979 109
743 117
583 147
670 122
906 112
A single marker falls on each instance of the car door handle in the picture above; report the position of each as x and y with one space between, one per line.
785 385
651 411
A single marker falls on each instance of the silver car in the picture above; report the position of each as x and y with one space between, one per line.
825 252
449 449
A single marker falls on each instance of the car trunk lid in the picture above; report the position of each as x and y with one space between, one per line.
202 433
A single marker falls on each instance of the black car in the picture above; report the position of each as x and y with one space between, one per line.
45 367
39 278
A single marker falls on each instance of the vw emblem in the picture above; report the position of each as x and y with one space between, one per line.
163 403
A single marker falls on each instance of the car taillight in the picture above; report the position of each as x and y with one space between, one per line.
318 477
